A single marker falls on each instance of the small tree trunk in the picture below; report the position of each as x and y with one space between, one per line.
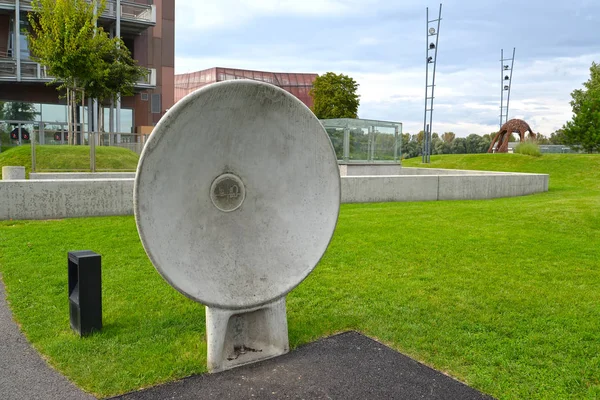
100 121
69 117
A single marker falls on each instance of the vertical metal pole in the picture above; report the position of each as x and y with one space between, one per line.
118 34
396 143
346 144
90 117
425 139
373 143
426 80
17 38
512 64
111 122
401 133
437 36
501 87
368 142
32 150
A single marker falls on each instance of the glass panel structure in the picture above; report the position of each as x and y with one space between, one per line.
365 140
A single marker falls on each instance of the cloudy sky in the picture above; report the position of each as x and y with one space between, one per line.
381 44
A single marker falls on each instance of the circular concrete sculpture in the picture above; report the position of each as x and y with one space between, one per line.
236 198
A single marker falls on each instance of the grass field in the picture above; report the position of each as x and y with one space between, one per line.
70 158
502 294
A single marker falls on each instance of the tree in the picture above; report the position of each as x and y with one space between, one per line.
18 111
442 147
335 96
541 139
80 56
476 144
448 137
459 146
558 137
583 131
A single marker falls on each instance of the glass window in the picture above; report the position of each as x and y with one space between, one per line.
21 111
126 121
54 113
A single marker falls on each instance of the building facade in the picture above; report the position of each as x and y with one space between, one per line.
295 83
148 30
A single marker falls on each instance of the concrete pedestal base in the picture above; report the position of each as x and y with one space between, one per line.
13 173
238 337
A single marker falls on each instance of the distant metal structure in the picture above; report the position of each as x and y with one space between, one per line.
430 60
506 71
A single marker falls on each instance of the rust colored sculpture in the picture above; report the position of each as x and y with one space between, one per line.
500 142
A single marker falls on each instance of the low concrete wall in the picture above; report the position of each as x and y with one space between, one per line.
370 169
372 189
439 171
367 189
12 173
81 175
461 187
50 199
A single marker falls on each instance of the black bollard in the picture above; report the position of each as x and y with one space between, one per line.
85 291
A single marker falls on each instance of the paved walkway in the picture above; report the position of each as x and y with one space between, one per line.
345 366
23 373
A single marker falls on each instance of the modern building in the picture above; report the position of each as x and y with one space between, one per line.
296 83
148 30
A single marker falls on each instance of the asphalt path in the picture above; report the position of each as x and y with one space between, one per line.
24 375
344 366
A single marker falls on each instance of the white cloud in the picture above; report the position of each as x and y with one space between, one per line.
391 88
467 101
194 15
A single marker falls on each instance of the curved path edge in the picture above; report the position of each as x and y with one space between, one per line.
24 375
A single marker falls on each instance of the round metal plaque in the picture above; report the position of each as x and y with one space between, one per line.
227 192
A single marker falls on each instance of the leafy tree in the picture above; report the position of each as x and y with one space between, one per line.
335 96
459 146
81 56
541 139
583 131
558 137
435 139
18 111
448 137
476 144
442 147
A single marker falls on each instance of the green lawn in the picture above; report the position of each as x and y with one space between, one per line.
70 158
501 294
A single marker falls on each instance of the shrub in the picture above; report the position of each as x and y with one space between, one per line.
528 148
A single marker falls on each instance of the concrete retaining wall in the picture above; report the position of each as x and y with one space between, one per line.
475 187
81 175
372 189
51 199
439 171
12 173
370 169
367 189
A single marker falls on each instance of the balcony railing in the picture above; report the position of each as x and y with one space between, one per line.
32 72
131 12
